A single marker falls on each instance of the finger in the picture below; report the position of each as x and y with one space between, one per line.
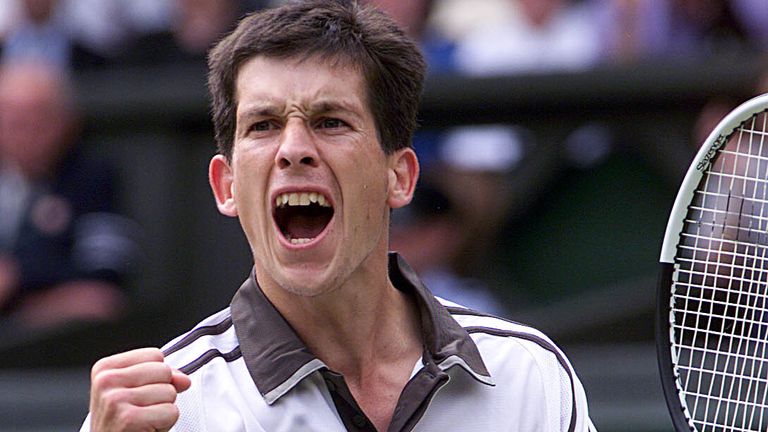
180 380
127 358
152 417
151 394
161 417
133 376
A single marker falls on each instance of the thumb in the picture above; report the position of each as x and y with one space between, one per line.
180 380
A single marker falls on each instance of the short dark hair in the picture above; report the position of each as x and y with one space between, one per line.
391 64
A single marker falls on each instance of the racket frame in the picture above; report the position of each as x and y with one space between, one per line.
707 153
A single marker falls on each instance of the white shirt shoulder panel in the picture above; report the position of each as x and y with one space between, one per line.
531 373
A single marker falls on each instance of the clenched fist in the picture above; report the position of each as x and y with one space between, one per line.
135 391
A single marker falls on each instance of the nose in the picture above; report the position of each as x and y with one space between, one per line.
297 146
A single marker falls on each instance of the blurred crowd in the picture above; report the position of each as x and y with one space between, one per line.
66 250
482 37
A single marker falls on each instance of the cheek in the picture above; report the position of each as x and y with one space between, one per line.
248 191
374 194
247 196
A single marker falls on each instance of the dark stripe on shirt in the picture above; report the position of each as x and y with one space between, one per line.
453 310
208 356
197 333
542 343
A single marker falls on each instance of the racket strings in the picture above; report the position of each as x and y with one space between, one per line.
720 319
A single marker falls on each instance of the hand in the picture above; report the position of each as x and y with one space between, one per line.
135 391
79 300
9 278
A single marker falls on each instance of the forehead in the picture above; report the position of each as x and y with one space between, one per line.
299 82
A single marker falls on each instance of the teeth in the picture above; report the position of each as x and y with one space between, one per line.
301 199
300 240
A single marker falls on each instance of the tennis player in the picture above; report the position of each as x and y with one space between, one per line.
314 104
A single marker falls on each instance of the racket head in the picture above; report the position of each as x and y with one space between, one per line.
717 233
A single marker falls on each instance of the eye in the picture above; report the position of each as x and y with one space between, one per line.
262 126
331 123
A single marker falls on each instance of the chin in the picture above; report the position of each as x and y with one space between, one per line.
306 283
309 289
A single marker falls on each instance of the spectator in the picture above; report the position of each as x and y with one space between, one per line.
630 30
754 15
38 34
106 26
195 26
704 27
677 29
428 233
63 250
543 36
413 16
476 167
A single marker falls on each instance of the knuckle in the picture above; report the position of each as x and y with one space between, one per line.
166 368
112 398
97 368
154 354
172 417
105 379
164 393
171 392
175 413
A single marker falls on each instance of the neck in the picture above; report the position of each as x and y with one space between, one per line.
364 322
365 329
351 333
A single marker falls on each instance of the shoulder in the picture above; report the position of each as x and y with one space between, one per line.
487 329
523 360
206 353
212 338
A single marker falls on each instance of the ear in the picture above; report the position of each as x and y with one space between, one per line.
221 178
403 174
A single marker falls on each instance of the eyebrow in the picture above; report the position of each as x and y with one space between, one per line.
325 106
271 109
266 109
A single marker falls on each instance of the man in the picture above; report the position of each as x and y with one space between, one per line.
64 251
314 104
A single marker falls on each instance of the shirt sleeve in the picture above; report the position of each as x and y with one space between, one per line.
583 422
86 427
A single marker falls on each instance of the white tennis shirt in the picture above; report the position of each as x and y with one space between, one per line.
251 372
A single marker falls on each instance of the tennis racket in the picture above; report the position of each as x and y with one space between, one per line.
712 322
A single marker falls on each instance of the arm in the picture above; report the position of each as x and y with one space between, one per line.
9 279
76 300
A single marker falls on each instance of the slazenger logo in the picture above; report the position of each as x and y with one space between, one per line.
711 153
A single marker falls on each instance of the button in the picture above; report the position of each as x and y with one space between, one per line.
359 420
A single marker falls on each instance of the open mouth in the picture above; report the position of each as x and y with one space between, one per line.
302 216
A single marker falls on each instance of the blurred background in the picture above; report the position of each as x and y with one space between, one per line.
554 135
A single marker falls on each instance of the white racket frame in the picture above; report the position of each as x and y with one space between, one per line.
716 139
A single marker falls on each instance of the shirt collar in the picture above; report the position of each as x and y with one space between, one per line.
277 359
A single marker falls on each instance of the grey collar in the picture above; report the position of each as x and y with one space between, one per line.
277 359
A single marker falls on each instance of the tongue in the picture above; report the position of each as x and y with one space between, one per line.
305 226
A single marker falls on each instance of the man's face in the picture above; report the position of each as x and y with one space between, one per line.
308 178
33 122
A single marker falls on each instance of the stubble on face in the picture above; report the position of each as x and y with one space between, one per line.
309 111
